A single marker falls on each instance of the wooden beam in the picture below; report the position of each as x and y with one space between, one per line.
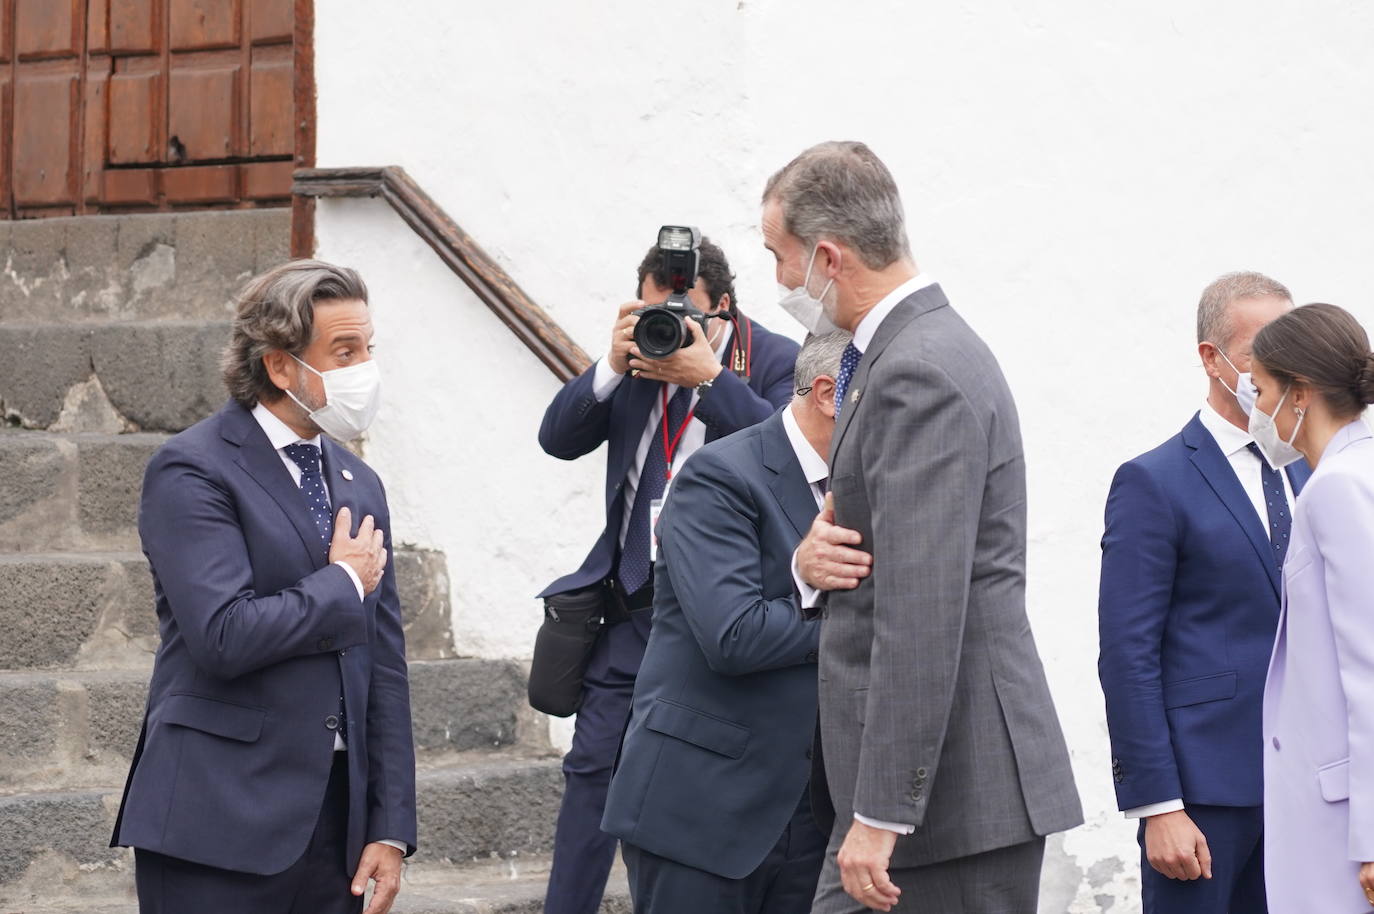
457 249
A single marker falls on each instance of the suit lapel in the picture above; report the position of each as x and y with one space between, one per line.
788 483
343 492
1217 470
261 461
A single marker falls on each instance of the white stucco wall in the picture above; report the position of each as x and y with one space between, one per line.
1074 173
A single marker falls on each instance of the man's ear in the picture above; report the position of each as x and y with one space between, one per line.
1208 353
829 259
823 395
724 304
277 363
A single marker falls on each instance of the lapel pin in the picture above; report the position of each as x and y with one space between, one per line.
854 397
347 474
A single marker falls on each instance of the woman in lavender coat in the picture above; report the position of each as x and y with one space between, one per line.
1314 374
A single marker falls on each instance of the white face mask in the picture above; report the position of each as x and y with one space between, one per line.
1278 452
1245 388
352 396
808 310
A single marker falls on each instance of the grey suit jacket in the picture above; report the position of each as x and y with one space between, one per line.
934 707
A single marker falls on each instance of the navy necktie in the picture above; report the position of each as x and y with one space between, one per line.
849 362
634 556
1280 519
307 457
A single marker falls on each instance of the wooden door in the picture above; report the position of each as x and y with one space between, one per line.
135 105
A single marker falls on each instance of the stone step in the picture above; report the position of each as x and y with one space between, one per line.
498 807
136 267
74 492
111 376
70 729
94 610
506 886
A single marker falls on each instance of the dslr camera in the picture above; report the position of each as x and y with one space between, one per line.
662 329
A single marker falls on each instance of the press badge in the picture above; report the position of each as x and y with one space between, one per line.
655 509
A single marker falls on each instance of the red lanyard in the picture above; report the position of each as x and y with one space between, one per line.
670 445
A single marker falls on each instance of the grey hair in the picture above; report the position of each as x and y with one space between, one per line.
1214 308
276 310
820 355
841 191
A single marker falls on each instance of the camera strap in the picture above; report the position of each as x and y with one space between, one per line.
742 357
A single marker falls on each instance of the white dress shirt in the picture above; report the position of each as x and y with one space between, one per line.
863 336
281 436
605 381
1235 447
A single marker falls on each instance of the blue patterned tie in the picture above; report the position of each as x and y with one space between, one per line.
1280 520
849 362
307 457
634 556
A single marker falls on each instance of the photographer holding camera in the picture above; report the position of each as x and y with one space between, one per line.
686 369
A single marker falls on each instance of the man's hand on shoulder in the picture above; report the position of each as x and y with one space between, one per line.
1176 847
364 553
826 559
380 863
688 367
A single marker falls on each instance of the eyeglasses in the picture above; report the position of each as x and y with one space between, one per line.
803 391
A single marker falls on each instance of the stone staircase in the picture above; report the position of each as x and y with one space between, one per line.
110 332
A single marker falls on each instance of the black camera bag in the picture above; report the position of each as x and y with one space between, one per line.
563 648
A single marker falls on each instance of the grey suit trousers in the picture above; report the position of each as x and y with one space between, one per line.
1002 881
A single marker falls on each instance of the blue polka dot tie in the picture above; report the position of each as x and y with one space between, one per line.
1280 518
307 457
849 362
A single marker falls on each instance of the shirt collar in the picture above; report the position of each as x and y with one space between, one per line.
278 432
1228 437
863 334
812 464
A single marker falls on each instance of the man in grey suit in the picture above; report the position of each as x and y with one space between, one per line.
936 720
710 795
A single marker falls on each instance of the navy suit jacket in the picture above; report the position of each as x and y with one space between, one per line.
576 424
1188 609
260 638
716 756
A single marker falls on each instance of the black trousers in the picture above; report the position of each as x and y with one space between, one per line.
783 884
317 883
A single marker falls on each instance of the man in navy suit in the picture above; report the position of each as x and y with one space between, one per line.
275 772
1196 532
653 414
710 794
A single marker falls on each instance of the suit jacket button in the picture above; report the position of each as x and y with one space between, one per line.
1275 741
325 644
811 657
1118 777
331 722
920 774
916 795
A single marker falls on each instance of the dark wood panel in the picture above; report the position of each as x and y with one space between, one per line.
98 25
96 137
272 127
266 180
202 184
204 24
269 20
134 27
6 31
48 28
135 109
6 138
129 186
202 113
45 138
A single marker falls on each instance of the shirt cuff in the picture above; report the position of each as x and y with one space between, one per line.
399 845
1153 809
810 596
605 380
353 576
898 827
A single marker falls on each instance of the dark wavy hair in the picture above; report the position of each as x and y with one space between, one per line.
1324 346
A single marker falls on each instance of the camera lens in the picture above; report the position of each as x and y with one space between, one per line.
659 334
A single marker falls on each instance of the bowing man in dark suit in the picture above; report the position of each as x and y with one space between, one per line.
710 795
275 772
652 414
1196 533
